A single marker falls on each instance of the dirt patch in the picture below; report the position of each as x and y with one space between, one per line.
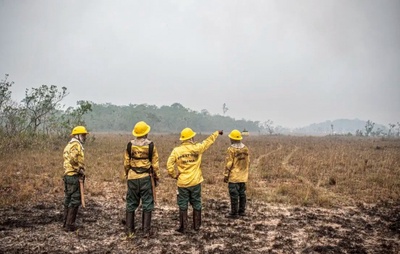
268 228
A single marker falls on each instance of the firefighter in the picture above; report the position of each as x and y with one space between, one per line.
74 171
236 173
186 158
141 168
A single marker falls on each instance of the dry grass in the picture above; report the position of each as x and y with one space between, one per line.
309 171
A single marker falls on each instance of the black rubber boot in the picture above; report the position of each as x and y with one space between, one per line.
65 216
146 223
130 224
242 206
71 217
196 220
142 220
234 210
182 221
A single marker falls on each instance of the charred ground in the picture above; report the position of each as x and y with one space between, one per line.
37 228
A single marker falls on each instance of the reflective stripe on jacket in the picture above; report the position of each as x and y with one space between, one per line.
187 159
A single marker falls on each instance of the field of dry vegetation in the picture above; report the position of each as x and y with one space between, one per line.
305 195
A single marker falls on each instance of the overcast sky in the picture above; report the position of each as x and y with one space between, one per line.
293 62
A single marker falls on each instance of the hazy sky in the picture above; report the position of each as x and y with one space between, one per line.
293 62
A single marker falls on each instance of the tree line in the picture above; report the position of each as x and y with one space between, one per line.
41 112
165 119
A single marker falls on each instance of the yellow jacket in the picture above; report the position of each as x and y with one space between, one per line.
237 162
73 157
140 154
187 158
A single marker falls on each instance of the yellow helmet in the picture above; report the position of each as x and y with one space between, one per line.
186 134
141 129
79 130
235 135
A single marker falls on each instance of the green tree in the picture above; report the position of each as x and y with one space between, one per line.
11 116
5 93
40 103
63 122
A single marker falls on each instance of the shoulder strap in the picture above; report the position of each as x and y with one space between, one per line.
129 149
151 147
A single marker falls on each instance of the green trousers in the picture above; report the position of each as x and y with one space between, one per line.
236 191
190 195
139 189
72 193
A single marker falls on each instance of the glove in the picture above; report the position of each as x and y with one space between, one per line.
220 132
226 179
82 178
81 171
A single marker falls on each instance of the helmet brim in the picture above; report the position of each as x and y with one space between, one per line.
138 135
235 138
191 136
